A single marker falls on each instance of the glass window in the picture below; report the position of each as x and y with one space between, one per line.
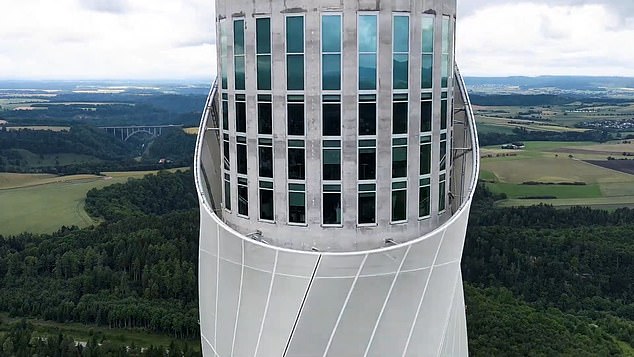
239 72
367 118
295 119
425 116
331 33
443 152
446 49
332 164
241 157
297 207
238 37
427 72
331 120
225 147
296 164
266 204
243 198
263 30
442 194
224 52
443 114
399 118
399 161
399 205
331 49
265 119
367 33
424 199
241 117
425 156
227 194
265 156
367 71
428 34
264 72
295 72
367 39
295 34
225 114
331 72
367 163
332 208
367 207
400 67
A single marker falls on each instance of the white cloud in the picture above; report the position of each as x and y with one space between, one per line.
67 39
534 39
156 39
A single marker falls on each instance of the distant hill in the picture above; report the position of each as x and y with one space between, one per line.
560 82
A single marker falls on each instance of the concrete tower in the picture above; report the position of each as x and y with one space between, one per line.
336 163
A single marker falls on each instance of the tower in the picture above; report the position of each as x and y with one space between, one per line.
336 162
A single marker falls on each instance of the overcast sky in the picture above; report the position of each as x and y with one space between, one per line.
173 39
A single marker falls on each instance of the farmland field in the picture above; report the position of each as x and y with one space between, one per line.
557 173
44 203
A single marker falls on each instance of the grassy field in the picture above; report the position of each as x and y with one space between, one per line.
44 203
554 163
83 333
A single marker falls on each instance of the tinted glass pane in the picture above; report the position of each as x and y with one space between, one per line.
296 164
238 37
399 118
367 208
264 72
367 118
427 72
400 71
295 72
367 33
265 122
428 34
399 162
332 165
332 208
424 202
367 164
265 156
442 196
295 119
241 117
224 52
331 119
445 71
401 34
425 159
445 34
263 29
266 205
367 71
399 205
241 157
331 72
443 114
225 115
331 33
239 63
425 116
443 155
295 34
243 200
296 207
228 195
226 154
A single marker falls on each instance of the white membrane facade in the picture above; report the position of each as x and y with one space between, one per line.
336 162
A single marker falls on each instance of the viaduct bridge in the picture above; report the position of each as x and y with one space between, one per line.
126 132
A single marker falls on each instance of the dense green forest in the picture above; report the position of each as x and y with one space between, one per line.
87 149
538 281
522 134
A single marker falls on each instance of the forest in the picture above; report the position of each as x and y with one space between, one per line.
90 150
538 281
522 134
